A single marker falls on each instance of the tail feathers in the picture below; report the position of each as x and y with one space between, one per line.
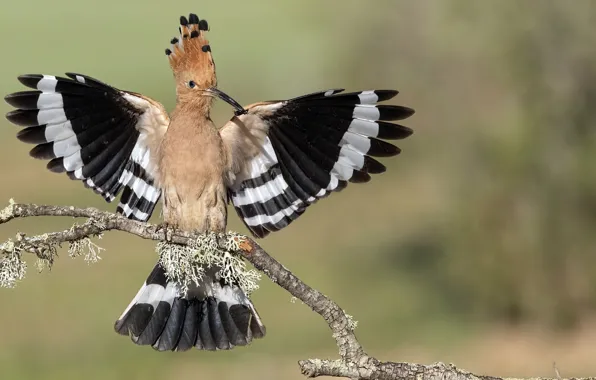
211 316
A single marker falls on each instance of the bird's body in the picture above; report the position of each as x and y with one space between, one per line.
271 162
192 165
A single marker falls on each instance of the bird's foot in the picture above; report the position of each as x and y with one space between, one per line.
167 229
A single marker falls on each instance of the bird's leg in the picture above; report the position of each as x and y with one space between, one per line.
167 229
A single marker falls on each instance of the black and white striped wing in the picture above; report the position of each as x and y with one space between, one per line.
308 147
95 133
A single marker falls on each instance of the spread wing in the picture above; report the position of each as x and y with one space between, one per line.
285 155
98 134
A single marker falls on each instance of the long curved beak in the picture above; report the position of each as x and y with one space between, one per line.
239 110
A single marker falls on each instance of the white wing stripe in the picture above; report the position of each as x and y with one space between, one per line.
66 147
242 198
50 100
366 112
368 97
139 186
152 194
47 83
264 161
357 142
333 182
350 157
51 116
73 162
275 218
79 173
364 127
55 132
135 212
125 177
343 172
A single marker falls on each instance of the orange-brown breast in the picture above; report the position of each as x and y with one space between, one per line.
191 165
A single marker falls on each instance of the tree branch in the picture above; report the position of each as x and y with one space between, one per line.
354 362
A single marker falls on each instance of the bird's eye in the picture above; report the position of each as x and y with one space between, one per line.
191 84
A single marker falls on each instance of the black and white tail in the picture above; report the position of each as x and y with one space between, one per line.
212 315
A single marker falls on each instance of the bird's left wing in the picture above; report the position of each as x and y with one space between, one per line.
285 155
98 134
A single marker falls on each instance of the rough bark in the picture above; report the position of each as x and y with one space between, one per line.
354 363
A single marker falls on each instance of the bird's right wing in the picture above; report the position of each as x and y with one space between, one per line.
98 134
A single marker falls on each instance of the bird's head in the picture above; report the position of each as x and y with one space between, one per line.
192 62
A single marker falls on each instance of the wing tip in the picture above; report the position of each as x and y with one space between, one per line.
56 165
22 118
30 80
386 94
391 131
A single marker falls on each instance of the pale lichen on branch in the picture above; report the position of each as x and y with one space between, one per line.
186 264
7 212
86 248
45 247
12 267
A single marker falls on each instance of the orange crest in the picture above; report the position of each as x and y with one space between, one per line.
190 56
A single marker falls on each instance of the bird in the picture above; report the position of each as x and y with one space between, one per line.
270 161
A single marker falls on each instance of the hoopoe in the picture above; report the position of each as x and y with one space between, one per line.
272 160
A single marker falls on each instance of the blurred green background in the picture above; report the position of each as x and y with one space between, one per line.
476 247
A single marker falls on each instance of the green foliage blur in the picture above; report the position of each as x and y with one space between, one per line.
482 227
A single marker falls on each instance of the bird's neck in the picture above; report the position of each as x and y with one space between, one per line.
197 107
